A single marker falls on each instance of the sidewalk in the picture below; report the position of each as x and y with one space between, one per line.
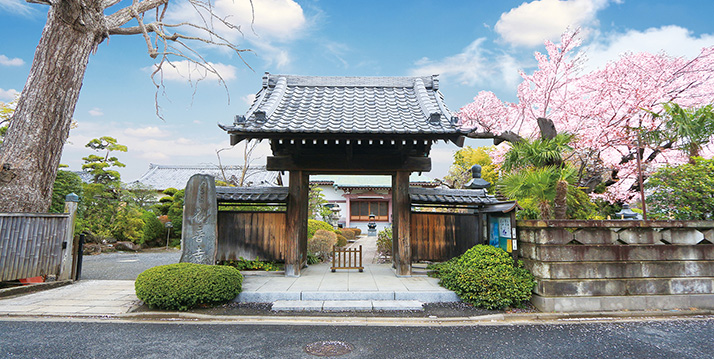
87 297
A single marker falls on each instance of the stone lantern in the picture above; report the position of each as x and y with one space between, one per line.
372 226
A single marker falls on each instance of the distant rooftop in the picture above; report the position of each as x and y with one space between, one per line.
289 104
355 181
161 177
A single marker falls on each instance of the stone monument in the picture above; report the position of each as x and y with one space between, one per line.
200 221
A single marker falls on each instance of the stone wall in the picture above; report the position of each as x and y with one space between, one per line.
619 265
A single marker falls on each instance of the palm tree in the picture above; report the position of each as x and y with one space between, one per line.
545 185
687 129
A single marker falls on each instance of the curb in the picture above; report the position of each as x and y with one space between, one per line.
490 319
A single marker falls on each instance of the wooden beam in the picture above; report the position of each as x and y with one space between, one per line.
296 228
340 163
401 250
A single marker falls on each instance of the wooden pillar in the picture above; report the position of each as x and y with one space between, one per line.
70 207
401 209
296 251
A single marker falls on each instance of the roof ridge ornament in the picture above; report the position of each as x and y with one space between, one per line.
275 98
425 104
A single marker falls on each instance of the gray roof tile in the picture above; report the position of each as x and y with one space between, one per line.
162 177
369 105
252 194
451 196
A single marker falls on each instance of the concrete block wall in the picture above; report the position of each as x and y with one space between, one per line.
619 265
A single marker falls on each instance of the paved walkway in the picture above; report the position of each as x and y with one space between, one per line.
87 297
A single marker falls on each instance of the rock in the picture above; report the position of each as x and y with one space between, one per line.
92 249
126 246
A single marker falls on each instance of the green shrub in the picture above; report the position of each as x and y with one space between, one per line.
384 242
321 244
341 240
313 225
153 231
182 286
348 233
486 277
255 264
312 258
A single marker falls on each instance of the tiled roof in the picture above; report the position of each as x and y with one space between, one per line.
352 181
162 177
451 196
347 105
252 194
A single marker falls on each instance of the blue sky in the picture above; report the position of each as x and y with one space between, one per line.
474 45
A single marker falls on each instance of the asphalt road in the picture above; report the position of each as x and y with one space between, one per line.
125 265
663 339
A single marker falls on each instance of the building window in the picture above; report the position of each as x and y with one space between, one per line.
360 210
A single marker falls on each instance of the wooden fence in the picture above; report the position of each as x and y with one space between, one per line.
442 236
347 258
251 235
31 244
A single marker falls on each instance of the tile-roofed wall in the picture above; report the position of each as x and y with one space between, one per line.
369 181
161 177
370 105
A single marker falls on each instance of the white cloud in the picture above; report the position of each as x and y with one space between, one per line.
151 131
474 65
531 23
673 40
19 7
187 70
248 99
8 95
6 61
274 21
96 112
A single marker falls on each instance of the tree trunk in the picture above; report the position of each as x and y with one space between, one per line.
40 125
561 204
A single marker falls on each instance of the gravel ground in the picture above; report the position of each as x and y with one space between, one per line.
125 265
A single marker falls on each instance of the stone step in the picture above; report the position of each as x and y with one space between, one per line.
346 305
421 296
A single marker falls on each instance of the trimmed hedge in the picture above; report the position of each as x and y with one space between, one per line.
341 240
348 233
486 277
314 225
182 286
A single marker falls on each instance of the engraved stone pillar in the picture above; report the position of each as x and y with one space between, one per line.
200 216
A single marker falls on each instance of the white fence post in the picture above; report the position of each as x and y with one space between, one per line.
70 207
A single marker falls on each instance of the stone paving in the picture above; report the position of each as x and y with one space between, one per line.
89 297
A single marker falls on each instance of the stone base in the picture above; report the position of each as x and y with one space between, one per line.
625 303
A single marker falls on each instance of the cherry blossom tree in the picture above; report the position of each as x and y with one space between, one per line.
31 151
606 109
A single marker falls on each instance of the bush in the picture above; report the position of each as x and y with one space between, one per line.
384 242
341 240
153 231
486 277
314 225
312 258
348 233
321 244
182 286
357 231
255 264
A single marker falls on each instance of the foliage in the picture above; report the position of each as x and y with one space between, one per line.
66 182
312 258
153 232
341 240
255 264
684 192
538 153
314 225
357 231
141 195
600 107
460 170
348 233
171 205
98 166
384 242
687 128
182 286
321 244
316 200
487 277
6 110
538 184
129 225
